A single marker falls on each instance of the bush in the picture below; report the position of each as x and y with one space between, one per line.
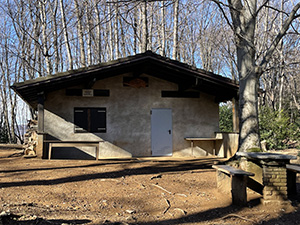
3 135
225 115
275 127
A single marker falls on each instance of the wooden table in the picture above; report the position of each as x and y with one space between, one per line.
192 139
58 143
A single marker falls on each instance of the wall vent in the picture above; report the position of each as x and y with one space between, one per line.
87 92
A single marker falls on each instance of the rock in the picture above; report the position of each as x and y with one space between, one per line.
130 218
130 211
4 213
156 177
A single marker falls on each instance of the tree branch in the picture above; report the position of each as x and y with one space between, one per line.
263 5
278 38
125 1
223 12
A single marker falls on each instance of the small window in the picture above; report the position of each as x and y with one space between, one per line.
91 120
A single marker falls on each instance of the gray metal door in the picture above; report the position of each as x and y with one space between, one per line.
161 132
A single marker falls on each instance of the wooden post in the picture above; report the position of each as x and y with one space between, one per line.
238 190
40 109
40 129
235 115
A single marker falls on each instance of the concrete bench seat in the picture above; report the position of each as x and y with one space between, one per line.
292 170
193 139
230 179
58 143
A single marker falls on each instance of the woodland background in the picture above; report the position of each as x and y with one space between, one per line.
43 37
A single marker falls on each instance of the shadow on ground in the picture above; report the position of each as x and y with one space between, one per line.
40 221
218 215
160 167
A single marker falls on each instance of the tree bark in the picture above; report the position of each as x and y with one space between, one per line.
55 35
43 18
162 50
135 35
98 32
66 37
281 68
175 30
116 31
145 28
80 34
110 31
88 15
244 22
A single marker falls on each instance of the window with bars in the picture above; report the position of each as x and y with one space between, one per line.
91 120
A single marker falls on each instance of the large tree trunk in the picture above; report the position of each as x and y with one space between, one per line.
244 21
248 113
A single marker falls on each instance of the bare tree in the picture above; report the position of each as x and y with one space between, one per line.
66 36
43 18
116 31
162 29
53 8
175 30
244 16
79 15
145 28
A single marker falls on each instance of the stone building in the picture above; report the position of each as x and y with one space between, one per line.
142 105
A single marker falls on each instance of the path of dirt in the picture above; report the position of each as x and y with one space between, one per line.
137 191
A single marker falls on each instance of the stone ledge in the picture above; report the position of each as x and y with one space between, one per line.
265 156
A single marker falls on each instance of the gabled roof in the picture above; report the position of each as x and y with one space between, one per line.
187 77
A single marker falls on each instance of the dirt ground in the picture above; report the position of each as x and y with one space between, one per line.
133 191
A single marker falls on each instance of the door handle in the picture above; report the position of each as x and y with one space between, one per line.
169 131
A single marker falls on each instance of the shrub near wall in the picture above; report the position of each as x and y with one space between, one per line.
276 128
3 135
225 115
3 131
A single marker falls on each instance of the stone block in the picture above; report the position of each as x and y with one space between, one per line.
275 202
267 193
269 188
280 184
283 188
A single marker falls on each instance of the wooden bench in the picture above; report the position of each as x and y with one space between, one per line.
292 170
57 143
193 139
230 179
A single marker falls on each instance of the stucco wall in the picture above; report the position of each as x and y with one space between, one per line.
128 117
